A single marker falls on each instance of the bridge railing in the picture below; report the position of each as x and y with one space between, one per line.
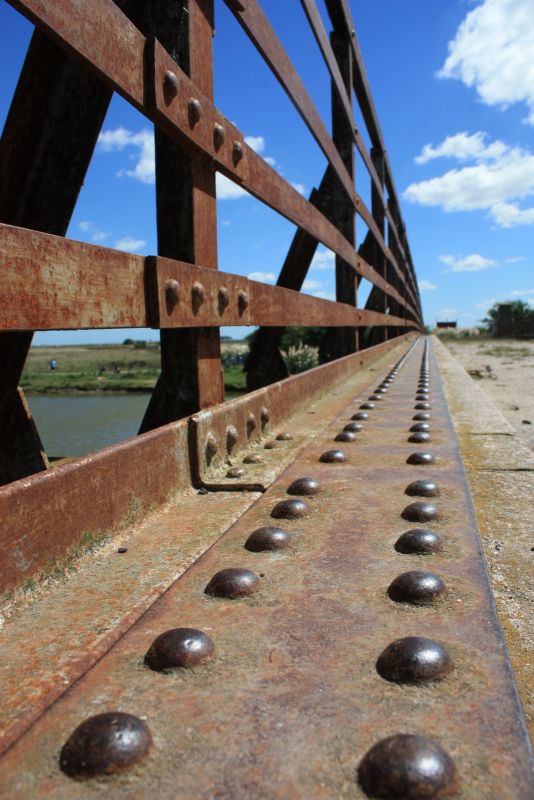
158 56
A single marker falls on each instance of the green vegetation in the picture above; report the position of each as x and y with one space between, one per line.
129 367
522 316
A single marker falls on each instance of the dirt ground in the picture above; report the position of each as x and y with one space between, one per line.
504 368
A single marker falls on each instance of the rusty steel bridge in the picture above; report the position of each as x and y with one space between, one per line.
278 596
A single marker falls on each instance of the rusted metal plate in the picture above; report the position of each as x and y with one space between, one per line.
41 659
292 700
48 282
178 102
98 492
262 180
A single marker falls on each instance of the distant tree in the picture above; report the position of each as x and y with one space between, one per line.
128 341
521 313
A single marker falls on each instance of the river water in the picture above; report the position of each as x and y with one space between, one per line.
73 424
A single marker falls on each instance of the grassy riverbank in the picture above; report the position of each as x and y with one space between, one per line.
105 368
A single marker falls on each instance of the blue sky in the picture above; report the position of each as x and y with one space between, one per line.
453 82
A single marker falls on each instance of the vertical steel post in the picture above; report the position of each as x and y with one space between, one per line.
342 341
191 376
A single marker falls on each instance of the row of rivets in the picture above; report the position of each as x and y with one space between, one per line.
405 765
171 85
199 295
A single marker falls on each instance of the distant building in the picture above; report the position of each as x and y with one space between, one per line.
444 324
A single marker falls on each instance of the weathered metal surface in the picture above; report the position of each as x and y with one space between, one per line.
41 659
292 701
262 180
48 283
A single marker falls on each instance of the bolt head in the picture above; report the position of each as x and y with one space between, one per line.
413 659
171 85
416 587
179 647
105 744
290 509
304 486
194 109
232 583
219 135
333 457
423 489
268 538
407 767
418 541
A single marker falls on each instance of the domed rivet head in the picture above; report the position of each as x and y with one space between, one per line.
419 541
242 301
105 744
198 293
237 152
375 397
421 458
290 509
268 538
272 444
422 406
381 390
212 445
264 416
304 486
284 437
416 587
179 647
420 427
420 512
223 298
412 660
423 489
219 135
251 423
171 85
173 294
233 582
333 457
421 416
235 472
194 110
407 767
253 458
353 427
346 436
231 438
419 438
367 406
422 396
360 415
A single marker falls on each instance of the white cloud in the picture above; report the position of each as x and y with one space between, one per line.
264 277
464 147
515 259
311 283
485 304
323 259
500 176
129 244
425 286
301 189
257 143
227 189
492 52
472 263
95 234
521 292
448 311
325 295
143 142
